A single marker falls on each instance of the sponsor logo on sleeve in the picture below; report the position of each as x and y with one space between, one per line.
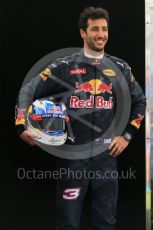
137 122
45 74
20 117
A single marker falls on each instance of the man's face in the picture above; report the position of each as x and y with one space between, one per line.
96 35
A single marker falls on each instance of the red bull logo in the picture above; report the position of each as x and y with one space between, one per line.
96 62
20 114
105 88
20 117
94 86
86 87
100 102
137 122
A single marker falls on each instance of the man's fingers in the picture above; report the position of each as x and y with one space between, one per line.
117 152
28 137
117 146
30 141
112 144
114 150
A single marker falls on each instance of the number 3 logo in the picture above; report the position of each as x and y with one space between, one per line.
71 193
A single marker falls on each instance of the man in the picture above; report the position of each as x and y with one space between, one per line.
93 75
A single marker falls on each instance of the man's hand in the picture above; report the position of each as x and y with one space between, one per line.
117 146
27 137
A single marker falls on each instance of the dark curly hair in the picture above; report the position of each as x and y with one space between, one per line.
92 13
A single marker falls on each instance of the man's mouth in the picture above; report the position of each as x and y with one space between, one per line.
100 41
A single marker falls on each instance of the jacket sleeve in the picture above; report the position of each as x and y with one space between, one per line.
138 103
40 86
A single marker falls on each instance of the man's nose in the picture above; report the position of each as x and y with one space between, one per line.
100 33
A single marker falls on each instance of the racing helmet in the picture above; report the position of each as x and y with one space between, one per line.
47 119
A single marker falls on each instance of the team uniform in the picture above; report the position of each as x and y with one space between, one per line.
92 91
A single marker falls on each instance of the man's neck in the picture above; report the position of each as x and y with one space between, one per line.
93 54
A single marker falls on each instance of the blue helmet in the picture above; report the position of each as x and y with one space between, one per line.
47 120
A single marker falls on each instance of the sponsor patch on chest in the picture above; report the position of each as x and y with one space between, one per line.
78 71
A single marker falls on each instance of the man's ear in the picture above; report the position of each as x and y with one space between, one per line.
82 33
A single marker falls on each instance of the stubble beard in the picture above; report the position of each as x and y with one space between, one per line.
95 48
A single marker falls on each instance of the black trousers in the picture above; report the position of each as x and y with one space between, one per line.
99 172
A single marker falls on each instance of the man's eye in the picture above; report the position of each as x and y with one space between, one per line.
95 29
105 29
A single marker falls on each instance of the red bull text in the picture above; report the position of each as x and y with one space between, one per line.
93 101
94 86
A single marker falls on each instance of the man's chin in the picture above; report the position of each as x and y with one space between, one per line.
99 49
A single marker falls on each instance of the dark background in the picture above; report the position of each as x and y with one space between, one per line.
30 30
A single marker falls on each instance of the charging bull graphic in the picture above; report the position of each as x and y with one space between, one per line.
105 88
94 86
86 87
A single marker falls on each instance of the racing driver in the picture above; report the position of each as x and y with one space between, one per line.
90 81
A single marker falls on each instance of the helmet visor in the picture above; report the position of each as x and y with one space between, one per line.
50 124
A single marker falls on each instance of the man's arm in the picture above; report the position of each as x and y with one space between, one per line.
138 105
39 87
